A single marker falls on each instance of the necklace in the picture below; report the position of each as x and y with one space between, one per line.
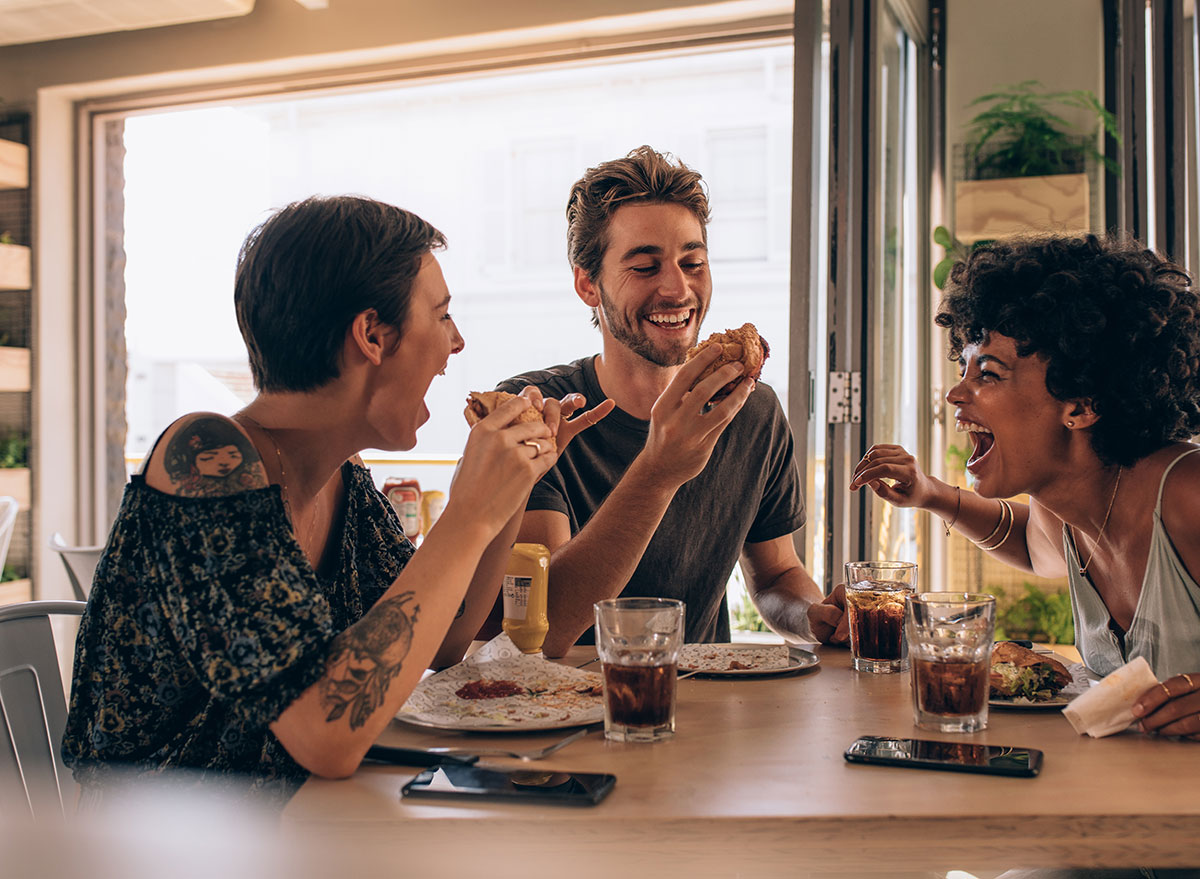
287 504
1095 546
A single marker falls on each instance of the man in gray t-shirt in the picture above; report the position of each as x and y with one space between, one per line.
665 494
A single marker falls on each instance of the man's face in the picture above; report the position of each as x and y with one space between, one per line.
654 285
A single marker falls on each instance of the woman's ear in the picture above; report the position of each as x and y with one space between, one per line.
1078 414
370 336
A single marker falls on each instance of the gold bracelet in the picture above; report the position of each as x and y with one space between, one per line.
1011 520
957 510
995 531
1005 509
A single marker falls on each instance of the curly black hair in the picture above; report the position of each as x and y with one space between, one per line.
1118 325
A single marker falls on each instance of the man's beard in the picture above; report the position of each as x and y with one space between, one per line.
637 342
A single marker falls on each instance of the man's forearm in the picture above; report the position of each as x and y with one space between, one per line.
598 561
784 604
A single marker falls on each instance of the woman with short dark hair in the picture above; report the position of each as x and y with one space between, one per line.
1080 364
258 613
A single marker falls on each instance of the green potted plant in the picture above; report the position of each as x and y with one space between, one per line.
14 468
1026 165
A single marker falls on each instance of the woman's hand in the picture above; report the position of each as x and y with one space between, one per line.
555 413
894 475
827 620
502 460
1172 708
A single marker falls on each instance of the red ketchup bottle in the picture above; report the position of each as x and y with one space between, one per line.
404 494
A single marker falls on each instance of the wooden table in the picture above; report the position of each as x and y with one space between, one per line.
754 784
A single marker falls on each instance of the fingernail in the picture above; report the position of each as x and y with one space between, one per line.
1138 709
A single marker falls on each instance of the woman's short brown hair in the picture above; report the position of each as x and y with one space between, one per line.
309 269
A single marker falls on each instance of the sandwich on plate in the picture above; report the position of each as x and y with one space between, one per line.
1018 672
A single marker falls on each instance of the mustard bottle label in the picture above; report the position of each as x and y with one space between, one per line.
516 596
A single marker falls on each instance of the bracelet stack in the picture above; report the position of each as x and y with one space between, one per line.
1006 514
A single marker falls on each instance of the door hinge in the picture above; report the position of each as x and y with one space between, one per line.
845 397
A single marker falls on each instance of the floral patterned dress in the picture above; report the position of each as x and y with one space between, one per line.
205 621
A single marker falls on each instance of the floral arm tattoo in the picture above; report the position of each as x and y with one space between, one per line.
365 658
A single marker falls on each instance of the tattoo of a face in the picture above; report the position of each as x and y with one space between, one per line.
365 659
209 457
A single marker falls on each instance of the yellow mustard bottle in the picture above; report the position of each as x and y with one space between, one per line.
524 591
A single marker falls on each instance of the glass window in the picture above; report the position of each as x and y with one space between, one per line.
488 160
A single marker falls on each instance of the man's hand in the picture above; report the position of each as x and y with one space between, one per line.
683 427
828 619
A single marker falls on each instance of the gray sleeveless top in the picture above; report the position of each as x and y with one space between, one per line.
1166 621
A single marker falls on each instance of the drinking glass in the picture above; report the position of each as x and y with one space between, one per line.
950 640
638 640
875 594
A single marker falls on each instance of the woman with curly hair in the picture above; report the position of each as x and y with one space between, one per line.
1080 365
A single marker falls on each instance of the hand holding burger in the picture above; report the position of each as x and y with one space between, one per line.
743 345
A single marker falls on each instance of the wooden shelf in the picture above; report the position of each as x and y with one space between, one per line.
14 482
16 591
14 267
14 165
14 369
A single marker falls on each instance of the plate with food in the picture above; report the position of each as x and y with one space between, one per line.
500 689
1026 679
744 660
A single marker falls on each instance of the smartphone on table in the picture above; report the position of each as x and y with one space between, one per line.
953 756
463 781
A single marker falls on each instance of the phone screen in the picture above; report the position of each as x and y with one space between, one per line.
955 756
453 780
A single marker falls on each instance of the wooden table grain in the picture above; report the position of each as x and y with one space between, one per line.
754 784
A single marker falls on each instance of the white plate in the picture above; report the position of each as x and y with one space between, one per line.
1079 685
713 660
550 704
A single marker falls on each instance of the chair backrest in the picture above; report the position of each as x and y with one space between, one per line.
8 521
80 562
33 710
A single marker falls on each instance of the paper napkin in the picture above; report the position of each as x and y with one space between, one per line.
1107 707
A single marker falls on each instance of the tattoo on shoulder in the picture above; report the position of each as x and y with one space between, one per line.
366 658
210 457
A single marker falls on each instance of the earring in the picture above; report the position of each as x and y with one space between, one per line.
1070 425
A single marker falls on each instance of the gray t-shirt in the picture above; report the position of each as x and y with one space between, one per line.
749 492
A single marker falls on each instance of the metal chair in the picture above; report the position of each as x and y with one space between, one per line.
80 562
33 711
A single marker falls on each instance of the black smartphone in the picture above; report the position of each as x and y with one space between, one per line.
461 780
954 756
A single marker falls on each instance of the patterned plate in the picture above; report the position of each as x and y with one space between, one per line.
744 660
549 696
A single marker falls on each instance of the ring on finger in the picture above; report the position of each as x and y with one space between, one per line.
1191 683
532 443
1166 692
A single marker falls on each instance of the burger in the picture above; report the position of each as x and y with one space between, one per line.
1019 672
743 345
481 404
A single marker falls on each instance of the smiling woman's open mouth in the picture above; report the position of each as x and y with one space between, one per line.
982 440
